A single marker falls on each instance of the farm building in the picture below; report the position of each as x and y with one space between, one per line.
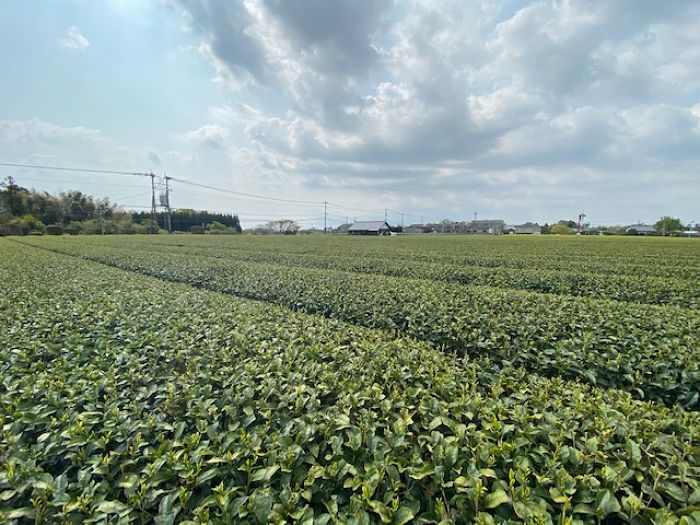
415 228
640 229
369 228
445 226
486 226
528 228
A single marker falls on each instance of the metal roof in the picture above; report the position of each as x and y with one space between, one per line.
487 221
642 228
368 226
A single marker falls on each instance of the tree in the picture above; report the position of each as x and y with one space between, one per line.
446 225
76 206
237 224
560 229
285 227
184 218
216 226
13 197
261 229
667 224
30 223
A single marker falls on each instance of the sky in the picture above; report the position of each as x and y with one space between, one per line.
515 110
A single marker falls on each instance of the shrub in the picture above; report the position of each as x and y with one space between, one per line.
54 229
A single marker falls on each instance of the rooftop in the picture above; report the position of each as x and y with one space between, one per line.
368 226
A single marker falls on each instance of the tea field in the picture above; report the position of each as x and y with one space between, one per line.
326 379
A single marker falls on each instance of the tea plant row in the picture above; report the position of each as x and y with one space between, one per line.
127 398
639 288
651 351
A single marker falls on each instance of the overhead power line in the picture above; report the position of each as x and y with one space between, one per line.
414 215
342 207
63 181
339 207
242 194
176 179
142 194
83 170
227 198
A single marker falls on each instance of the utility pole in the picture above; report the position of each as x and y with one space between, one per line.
167 206
154 222
11 194
325 217
102 219
402 221
385 213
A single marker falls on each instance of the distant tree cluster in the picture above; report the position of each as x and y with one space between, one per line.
24 211
32 211
282 226
182 220
667 225
63 208
561 229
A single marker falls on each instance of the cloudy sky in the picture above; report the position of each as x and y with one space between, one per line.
521 110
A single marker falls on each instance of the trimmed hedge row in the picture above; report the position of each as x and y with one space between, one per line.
651 351
129 399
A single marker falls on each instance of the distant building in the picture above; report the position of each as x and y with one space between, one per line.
369 228
414 228
529 228
434 227
640 229
461 227
494 227
445 226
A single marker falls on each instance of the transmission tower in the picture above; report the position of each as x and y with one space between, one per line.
154 221
165 202
581 216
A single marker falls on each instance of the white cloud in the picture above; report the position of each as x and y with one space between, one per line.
38 142
212 135
35 132
74 39
502 99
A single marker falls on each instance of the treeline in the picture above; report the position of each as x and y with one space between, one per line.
26 211
184 219
66 207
